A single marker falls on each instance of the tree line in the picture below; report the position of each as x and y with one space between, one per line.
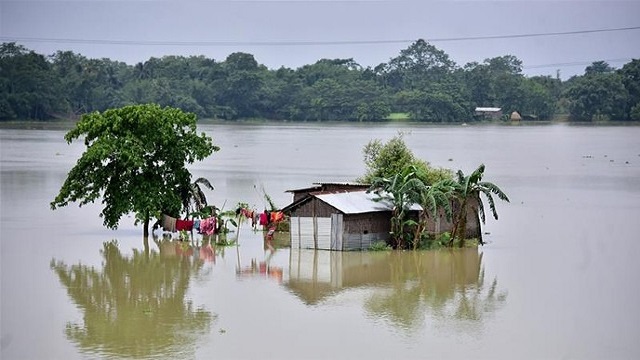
422 83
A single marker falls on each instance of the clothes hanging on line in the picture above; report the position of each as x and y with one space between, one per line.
208 226
264 219
169 223
186 225
277 216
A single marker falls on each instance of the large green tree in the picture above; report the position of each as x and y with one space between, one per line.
385 160
418 66
135 161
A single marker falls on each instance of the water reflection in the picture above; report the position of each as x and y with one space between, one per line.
265 269
404 286
135 305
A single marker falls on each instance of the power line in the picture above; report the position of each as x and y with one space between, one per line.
574 63
300 43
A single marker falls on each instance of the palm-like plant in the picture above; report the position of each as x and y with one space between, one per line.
193 198
401 191
432 199
470 187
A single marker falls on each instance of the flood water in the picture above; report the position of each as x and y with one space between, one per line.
558 277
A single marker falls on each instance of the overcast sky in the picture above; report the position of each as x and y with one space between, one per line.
296 33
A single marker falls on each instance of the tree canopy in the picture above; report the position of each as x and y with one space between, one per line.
385 160
135 160
422 83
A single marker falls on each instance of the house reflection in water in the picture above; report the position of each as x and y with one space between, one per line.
398 281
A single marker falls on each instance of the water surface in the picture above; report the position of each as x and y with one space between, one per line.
557 279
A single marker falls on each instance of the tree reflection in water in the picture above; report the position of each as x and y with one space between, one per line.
135 305
448 285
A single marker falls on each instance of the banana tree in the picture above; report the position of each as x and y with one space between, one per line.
432 199
469 188
402 191
193 197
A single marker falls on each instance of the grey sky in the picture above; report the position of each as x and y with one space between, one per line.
243 22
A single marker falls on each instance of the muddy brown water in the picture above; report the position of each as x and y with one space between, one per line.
557 279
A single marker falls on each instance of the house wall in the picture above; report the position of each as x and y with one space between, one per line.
439 224
367 223
489 114
360 231
314 207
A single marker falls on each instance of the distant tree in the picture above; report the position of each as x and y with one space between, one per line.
496 82
597 96
418 65
28 89
239 85
598 67
135 161
342 70
630 74
536 99
506 64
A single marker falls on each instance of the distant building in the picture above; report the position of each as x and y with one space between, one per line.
492 113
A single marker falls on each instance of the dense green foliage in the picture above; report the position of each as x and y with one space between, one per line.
422 81
135 161
385 160
400 179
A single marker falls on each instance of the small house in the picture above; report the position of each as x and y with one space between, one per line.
343 216
493 113
343 220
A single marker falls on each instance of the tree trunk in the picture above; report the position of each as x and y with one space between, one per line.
145 242
145 225
462 214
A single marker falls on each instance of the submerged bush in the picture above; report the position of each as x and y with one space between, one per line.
379 246
444 240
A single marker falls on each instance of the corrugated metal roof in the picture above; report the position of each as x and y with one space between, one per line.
319 185
316 187
488 109
357 202
346 183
